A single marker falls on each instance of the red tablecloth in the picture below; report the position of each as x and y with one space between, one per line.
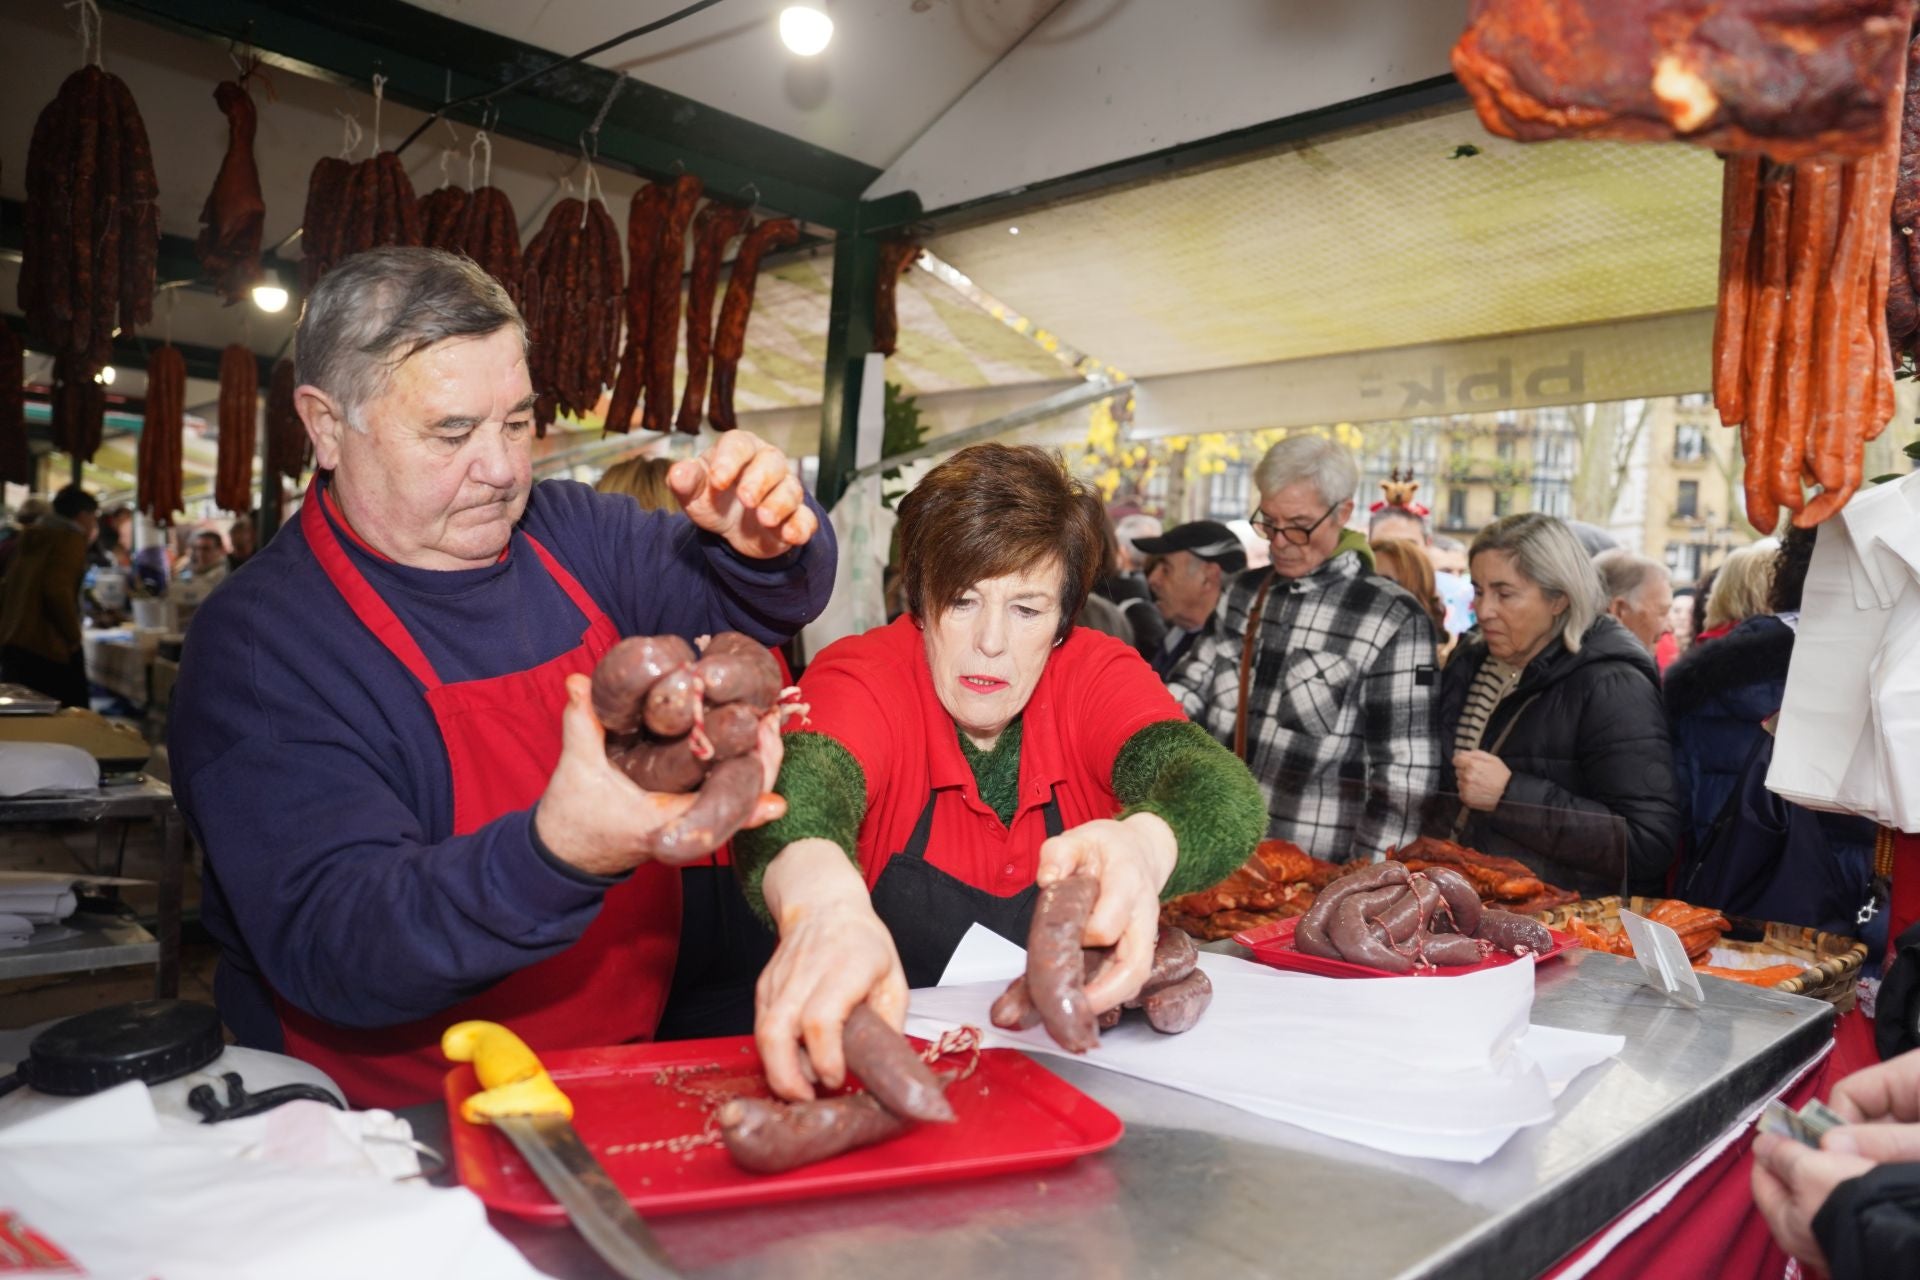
1710 1230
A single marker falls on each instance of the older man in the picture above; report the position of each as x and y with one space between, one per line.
1339 719
1639 593
1190 568
382 735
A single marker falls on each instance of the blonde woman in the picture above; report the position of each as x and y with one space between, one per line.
642 479
1740 589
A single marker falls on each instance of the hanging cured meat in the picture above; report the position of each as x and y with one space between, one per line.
895 257
160 458
1803 359
16 464
730 334
490 235
663 319
646 215
355 207
79 407
443 219
1788 79
239 420
571 275
92 229
289 451
229 243
713 231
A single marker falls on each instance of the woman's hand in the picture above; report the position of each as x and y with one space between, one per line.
1482 778
834 954
741 489
1131 859
1790 1183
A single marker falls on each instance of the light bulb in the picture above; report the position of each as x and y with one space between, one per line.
106 376
1013 231
269 297
804 29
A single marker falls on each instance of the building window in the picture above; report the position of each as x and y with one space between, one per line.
1504 450
1456 508
1689 442
1502 503
1229 492
1687 507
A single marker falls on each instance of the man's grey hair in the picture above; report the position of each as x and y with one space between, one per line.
1623 572
373 311
1329 467
1547 553
1130 528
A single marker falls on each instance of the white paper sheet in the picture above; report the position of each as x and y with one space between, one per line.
109 1183
1434 1067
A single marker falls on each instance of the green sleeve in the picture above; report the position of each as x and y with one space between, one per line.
1175 769
826 794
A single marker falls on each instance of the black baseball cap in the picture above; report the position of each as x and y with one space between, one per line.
1208 539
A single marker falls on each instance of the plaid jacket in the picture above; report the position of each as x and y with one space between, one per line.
1342 723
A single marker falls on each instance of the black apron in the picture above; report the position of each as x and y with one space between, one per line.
929 911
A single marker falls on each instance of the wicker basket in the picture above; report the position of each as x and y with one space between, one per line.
1832 960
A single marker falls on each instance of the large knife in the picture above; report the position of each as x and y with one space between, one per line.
521 1100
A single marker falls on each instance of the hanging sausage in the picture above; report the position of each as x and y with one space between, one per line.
159 494
730 335
229 243
239 421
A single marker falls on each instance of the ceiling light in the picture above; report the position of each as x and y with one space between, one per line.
106 376
269 297
804 29
1013 231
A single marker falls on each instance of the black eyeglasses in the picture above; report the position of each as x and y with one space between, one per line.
1293 533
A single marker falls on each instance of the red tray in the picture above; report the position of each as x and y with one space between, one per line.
1272 944
1012 1115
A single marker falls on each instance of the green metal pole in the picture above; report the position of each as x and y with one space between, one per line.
856 271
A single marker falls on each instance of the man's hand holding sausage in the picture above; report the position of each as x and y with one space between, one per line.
741 489
1131 858
593 817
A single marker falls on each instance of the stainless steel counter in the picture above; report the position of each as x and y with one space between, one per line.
1197 1188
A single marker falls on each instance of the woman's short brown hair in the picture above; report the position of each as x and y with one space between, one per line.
995 509
642 479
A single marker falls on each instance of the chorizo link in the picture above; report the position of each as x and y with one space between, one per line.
1809 247
1177 1006
1462 899
891 1070
1055 977
1311 934
1763 335
663 324
1513 933
714 230
1449 949
723 806
895 257
629 669
730 333
1352 937
764 1136
1739 202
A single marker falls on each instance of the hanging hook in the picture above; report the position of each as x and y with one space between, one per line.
751 190
379 96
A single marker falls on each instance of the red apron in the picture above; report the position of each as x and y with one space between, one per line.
502 738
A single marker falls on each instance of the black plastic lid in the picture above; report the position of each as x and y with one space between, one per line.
150 1040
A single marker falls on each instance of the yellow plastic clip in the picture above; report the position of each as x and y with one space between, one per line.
512 1081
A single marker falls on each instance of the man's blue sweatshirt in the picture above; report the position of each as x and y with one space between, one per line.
312 774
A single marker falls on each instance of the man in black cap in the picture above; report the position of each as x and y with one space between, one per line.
1190 565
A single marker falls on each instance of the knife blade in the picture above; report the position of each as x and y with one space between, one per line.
521 1100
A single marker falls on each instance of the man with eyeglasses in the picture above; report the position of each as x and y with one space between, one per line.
1337 715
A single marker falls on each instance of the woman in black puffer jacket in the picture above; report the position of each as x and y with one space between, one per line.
1552 722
